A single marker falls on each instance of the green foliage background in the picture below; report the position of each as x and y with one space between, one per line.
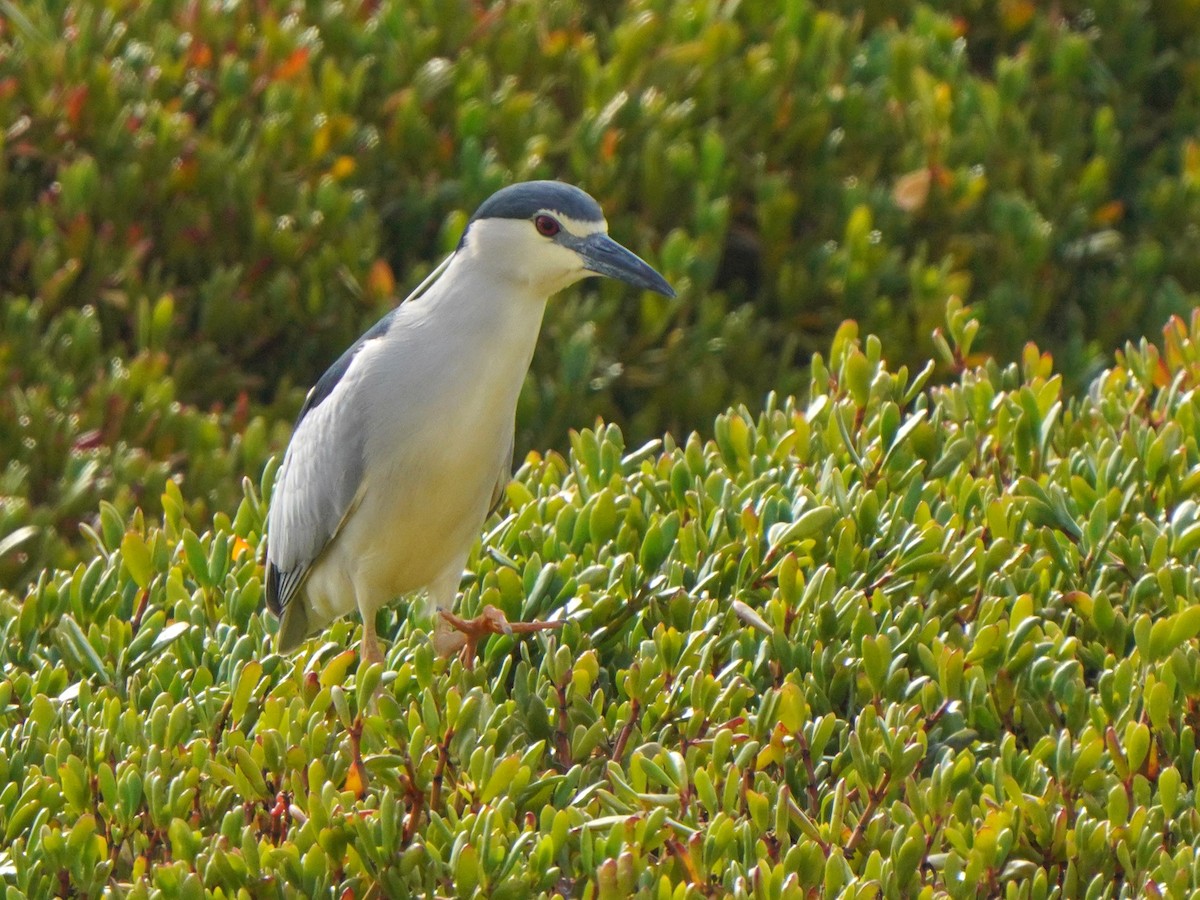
893 636
223 196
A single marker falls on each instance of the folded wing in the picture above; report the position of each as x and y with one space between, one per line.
321 476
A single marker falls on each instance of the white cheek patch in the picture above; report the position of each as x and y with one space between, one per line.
577 227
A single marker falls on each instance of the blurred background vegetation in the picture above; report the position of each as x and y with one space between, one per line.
920 628
202 203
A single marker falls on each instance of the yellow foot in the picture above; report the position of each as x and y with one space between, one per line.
453 633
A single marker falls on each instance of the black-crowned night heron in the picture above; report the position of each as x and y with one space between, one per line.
405 444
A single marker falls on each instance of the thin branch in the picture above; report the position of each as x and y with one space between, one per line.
635 709
435 791
860 830
814 799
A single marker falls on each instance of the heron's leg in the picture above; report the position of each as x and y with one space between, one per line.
371 652
452 634
491 620
446 639
442 593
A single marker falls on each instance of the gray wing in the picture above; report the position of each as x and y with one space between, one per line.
319 481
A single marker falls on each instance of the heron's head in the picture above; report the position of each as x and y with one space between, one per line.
550 235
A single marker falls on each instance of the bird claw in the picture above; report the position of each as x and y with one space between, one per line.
489 621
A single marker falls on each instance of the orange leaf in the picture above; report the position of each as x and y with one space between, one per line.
343 167
912 190
76 101
556 42
380 280
1109 213
356 779
1174 340
1016 14
608 146
200 56
293 65
1160 375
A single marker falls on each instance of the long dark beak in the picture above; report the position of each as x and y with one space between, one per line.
604 256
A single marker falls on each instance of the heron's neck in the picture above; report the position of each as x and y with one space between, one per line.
486 319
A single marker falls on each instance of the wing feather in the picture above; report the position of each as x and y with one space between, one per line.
321 477
503 478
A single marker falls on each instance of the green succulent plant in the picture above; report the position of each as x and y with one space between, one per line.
893 639
903 628
281 171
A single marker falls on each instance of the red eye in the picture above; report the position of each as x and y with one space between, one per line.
546 226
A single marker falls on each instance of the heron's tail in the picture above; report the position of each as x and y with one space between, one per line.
293 626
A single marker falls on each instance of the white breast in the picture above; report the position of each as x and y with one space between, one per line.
442 389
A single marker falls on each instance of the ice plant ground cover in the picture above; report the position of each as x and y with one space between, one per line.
915 630
895 638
